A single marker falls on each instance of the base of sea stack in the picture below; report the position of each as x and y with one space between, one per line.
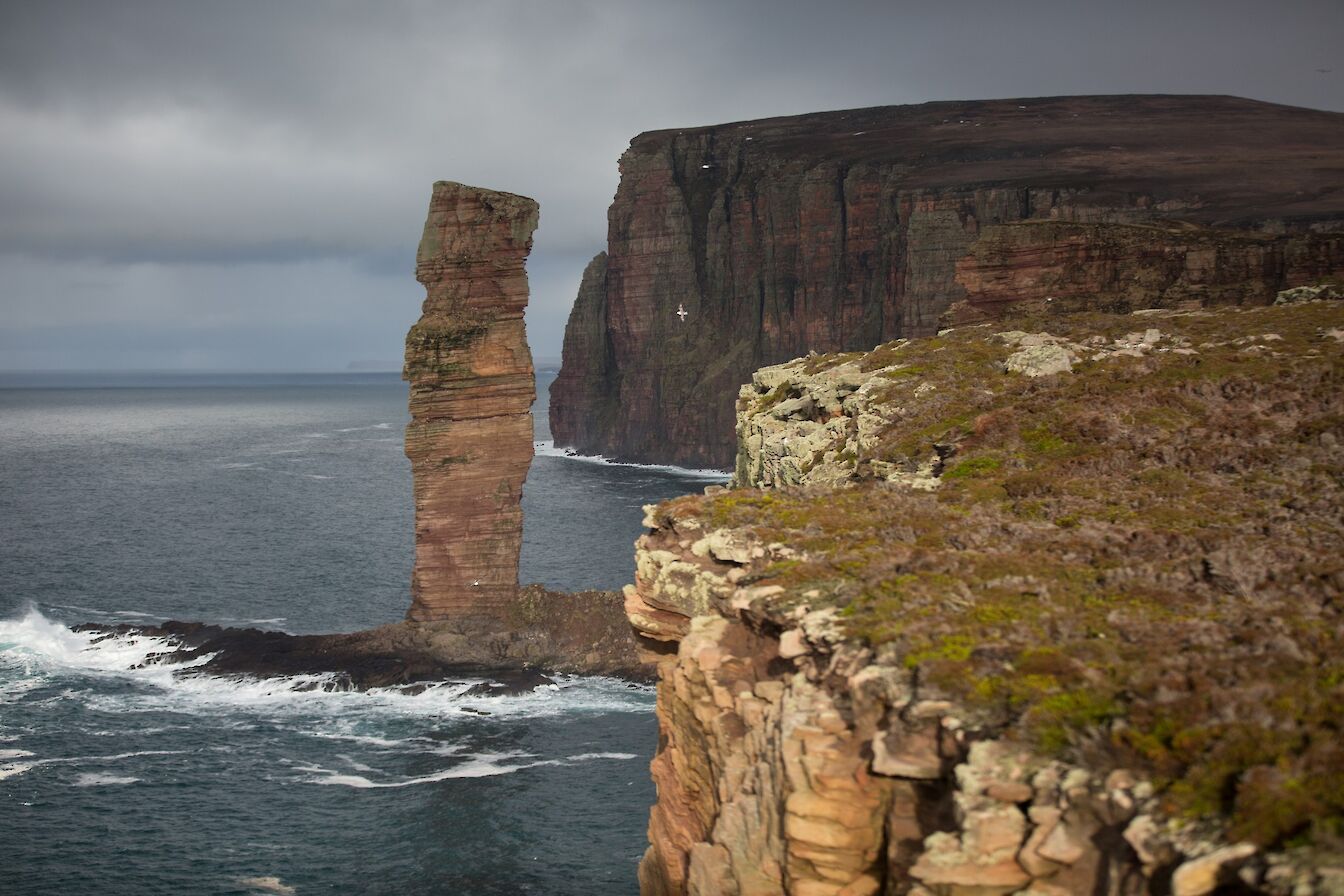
584 633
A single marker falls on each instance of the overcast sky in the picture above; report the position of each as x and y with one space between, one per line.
241 185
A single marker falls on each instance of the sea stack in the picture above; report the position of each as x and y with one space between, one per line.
471 391
836 231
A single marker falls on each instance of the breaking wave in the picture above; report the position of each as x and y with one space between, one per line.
547 449
34 648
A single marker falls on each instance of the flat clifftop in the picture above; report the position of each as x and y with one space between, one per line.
1053 605
1247 160
737 246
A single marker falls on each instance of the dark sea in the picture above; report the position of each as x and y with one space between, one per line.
284 502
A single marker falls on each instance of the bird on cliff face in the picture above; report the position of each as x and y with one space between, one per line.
681 312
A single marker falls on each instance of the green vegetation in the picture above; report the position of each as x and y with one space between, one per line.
433 347
1141 562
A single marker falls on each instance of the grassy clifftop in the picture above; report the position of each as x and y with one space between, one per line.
1117 537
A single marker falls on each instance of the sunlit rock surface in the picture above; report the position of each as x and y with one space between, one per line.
967 626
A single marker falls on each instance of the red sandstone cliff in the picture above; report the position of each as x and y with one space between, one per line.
472 387
840 230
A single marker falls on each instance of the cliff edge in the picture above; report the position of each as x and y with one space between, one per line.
1050 606
743 245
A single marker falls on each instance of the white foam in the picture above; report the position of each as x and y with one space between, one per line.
481 765
38 647
355 764
14 769
584 757
91 779
33 640
114 757
416 744
14 754
547 449
363 428
269 884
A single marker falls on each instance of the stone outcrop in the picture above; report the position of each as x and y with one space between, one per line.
1098 654
470 446
566 632
812 420
471 391
796 760
838 231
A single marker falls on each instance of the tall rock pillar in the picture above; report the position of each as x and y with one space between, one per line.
471 391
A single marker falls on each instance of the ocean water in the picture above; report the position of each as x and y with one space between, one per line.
284 502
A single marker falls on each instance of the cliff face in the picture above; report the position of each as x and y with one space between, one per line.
471 391
1049 609
837 231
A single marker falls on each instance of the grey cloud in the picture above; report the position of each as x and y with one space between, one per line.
248 143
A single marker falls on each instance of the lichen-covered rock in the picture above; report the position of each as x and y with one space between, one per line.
1308 294
838 231
1103 657
840 409
1040 360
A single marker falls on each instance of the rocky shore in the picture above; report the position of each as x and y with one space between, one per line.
547 631
1048 606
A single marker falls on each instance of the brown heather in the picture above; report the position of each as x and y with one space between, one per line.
1139 564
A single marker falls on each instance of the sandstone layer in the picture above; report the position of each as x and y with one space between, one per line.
470 445
1047 607
471 392
838 231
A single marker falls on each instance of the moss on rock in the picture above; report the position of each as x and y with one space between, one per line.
1139 562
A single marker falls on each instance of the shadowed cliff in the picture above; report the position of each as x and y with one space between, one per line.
836 231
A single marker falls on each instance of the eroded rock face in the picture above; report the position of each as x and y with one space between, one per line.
860 682
794 760
802 763
471 391
1119 267
838 231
